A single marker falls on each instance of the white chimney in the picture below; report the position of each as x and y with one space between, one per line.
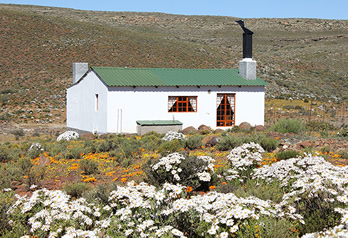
247 68
79 69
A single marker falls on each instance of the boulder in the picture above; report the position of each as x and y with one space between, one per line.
204 128
304 144
259 128
68 135
189 130
219 131
211 140
245 126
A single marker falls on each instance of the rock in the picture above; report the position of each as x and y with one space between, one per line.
211 140
68 135
189 130
88 136
275 135
304 144
259 128
14 184
202 128
219 131
245 126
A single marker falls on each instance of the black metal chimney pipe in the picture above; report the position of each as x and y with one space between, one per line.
247 41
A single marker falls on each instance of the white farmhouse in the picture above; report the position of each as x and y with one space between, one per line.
116 100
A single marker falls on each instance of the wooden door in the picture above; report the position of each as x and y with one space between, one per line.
225 109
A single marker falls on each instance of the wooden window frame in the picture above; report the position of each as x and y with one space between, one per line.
182 104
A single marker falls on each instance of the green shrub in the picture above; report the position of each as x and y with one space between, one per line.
343 133
288 126
326 149
18 133
89 166
287 154
99 194
318 213
171 146
10 172
319 126
151 141
343 154
55 148
4 154
194 142
5 117
75 190
73 152
228 143
34 153
251 187
267 226
7 199
234 129
269 144
25 165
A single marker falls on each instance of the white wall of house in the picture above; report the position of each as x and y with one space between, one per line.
127 105
250 105
83 113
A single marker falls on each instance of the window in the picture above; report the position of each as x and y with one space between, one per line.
182 104
96 102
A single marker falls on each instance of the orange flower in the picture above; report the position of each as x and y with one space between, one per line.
224 183
123 180
92 179
189 189
212 187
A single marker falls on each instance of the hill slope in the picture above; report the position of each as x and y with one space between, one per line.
299 57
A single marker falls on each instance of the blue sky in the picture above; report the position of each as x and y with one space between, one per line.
324 9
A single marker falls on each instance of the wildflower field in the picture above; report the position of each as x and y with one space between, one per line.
170 185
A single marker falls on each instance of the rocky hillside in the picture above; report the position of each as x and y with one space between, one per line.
301 58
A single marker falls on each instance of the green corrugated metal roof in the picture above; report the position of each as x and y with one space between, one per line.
173 77
158 122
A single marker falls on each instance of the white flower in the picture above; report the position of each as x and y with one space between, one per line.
213 229
204 176
234 228
176 232
128 232
223 234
